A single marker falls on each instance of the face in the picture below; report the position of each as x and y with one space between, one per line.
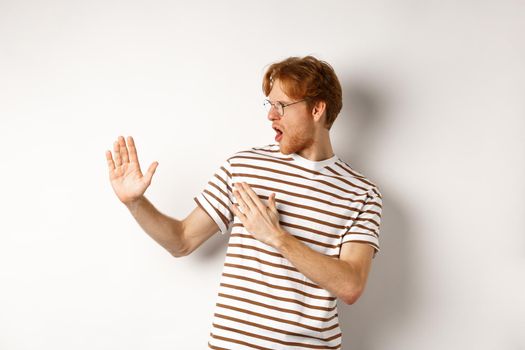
296 124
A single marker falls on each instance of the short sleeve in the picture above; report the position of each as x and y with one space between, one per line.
365 227
216 198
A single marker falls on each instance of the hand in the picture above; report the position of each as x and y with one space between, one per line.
126 177
260 220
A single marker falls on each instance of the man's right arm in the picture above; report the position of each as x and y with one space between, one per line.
178 237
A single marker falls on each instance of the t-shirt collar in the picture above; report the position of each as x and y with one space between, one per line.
313 165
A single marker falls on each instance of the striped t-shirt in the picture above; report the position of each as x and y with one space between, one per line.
263 301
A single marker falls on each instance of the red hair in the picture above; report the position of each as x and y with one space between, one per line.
307 78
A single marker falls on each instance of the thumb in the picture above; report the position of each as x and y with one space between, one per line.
272 201
151 171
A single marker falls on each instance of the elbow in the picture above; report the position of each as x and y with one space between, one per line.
179 253
351 296
179 247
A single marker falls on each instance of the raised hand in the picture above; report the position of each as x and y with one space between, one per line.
125 175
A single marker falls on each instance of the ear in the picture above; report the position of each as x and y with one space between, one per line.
318 110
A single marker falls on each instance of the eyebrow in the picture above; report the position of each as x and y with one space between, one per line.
281 102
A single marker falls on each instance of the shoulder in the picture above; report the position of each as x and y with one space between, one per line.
271 150
357 179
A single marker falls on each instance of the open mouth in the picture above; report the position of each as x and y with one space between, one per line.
279 134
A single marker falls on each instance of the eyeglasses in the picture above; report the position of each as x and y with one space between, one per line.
279 107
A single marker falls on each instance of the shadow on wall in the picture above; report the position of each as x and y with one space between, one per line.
385 306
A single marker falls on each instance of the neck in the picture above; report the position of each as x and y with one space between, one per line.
320 149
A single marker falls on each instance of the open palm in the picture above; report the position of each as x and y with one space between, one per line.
124 173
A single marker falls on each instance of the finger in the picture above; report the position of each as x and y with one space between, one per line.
109 160
132 150
240 200
253 197
116 150
237 212
246 197
123 150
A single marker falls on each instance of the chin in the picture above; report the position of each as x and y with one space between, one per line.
289 149
295 144
284 150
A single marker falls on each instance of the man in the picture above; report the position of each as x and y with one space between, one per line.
304 224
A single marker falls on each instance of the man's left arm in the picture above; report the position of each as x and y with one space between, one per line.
345 277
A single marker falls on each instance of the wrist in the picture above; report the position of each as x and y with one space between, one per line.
133 204
280 239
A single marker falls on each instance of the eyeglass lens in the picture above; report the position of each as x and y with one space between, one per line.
278 107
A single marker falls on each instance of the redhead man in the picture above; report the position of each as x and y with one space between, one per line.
303 225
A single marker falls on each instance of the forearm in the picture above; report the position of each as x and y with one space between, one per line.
332 274
165 230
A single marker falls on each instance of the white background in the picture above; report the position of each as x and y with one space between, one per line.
433 112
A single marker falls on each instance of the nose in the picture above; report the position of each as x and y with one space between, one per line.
272 114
